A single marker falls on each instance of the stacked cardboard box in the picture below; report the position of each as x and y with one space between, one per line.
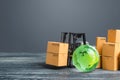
114 36
110 56
57 53
100 41
111 50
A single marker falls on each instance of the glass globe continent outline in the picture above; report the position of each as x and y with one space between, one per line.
85 58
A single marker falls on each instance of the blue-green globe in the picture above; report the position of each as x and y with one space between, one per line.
85 58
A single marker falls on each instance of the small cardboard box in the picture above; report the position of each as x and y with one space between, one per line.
110 63
114 35
56 59
111 49
100 63
100 41
57 47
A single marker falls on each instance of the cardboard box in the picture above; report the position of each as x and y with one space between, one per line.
110 63
111 49
100 41
100 63
57 47
114 35
56 59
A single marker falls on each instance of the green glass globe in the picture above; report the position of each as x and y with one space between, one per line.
85 58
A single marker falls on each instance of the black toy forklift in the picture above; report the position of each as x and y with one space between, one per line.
59 54
73 39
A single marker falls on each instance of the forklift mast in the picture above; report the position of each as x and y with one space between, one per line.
73 39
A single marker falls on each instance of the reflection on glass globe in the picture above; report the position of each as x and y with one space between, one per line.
85 58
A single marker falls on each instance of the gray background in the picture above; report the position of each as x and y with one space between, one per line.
27 25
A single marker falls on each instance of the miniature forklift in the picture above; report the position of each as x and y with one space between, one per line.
59 54
73 39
